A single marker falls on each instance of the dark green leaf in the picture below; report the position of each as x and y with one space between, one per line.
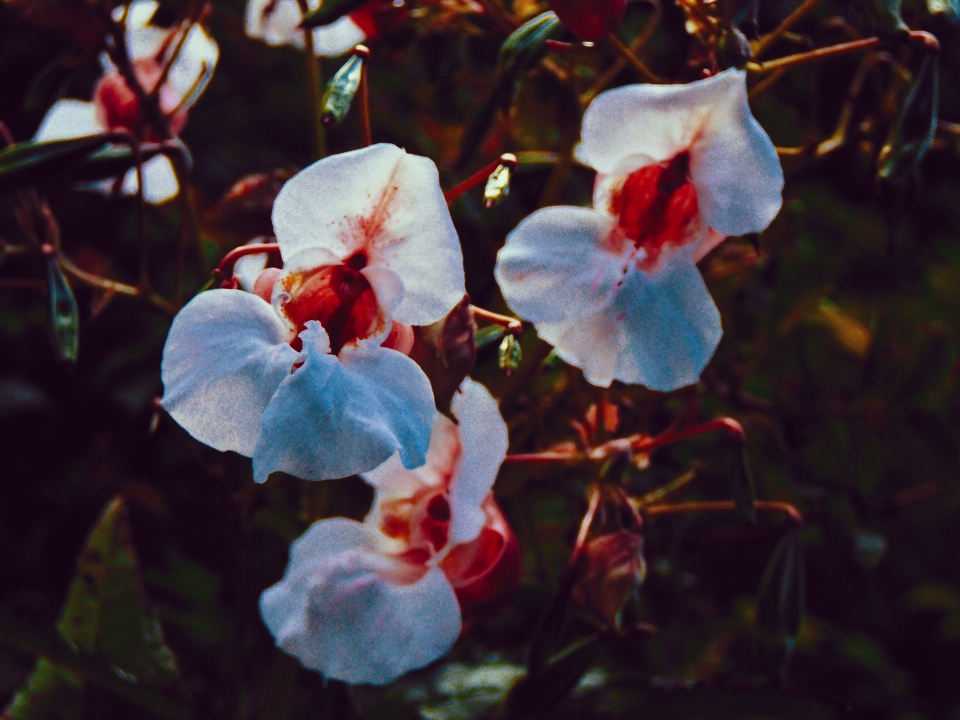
549 629
883 16
28 163
445 351
331 11
107 163
538 694
510 354
912 134
64 314
340 91
781 601
50 692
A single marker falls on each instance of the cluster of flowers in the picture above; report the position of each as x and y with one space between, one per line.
306 368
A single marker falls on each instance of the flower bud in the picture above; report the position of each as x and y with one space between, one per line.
590 20
612 568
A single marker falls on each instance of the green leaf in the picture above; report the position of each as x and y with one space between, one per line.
331 11
64 314
912 134
535 695
550 627
28 163
445 351
109 162
50 692
340 91
510 354
883 16
781 600
948 8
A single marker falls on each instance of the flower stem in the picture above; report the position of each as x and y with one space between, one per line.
224 269
767 41
632 59
511 324
318 139
364 52
724 506
636 46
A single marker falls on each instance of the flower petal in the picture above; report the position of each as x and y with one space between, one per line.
69 119
159 180
137 14
388 205
336 416
278 25
338 611
554 265
734 165
483 436
223 360
659 331
338 37
194 66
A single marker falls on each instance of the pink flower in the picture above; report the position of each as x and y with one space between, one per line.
368 602
304 374
615 289
115 105
277 22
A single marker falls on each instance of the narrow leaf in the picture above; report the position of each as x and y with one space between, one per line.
340 91
28 163
535 695
912 134
547 635
64 314
106 163
331 11
781 600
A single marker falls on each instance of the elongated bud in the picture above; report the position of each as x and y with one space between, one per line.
64 315
510 355
498 184
340 91
590 19
612 570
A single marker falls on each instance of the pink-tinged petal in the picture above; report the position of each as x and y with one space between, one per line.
159 181
708 243
483 437
223 360
247 269
386 205
660 331
274 21
338 37
193 68
69 119
341 610
554 265
734 165
339 415
386 285
487 568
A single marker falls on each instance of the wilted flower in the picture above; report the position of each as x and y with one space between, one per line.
611 571
115 105
307 374
367 602
277 22
615 288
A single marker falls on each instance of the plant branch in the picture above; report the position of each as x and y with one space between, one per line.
632 59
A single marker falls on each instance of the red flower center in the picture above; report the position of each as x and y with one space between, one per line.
116 104
656 206
340 298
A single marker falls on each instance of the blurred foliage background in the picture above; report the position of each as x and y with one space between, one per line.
840 359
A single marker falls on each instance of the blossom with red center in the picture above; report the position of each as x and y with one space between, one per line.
368 602
308 374
115 106
615 289
277 22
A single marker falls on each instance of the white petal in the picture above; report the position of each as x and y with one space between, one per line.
138 14
339 614
69 119
385 203
483 435
660 330
734 165
248 268
279 26
334 417
194 66
338 37
554 264
145 42
223 360
159 180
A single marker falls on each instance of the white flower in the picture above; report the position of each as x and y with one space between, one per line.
615 288
277 22
303 383
368 602
115 106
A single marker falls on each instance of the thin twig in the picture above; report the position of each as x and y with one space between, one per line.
632 59
619 64
724 506
767 41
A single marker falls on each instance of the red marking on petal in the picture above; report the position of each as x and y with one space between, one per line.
116 104
337 296
656 206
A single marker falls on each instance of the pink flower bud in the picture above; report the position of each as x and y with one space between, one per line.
590 20
612 568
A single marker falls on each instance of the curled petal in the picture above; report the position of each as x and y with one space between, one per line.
338 37
342 610
483 436
555 266
336 416
69 119
660 330
386 205
223 360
